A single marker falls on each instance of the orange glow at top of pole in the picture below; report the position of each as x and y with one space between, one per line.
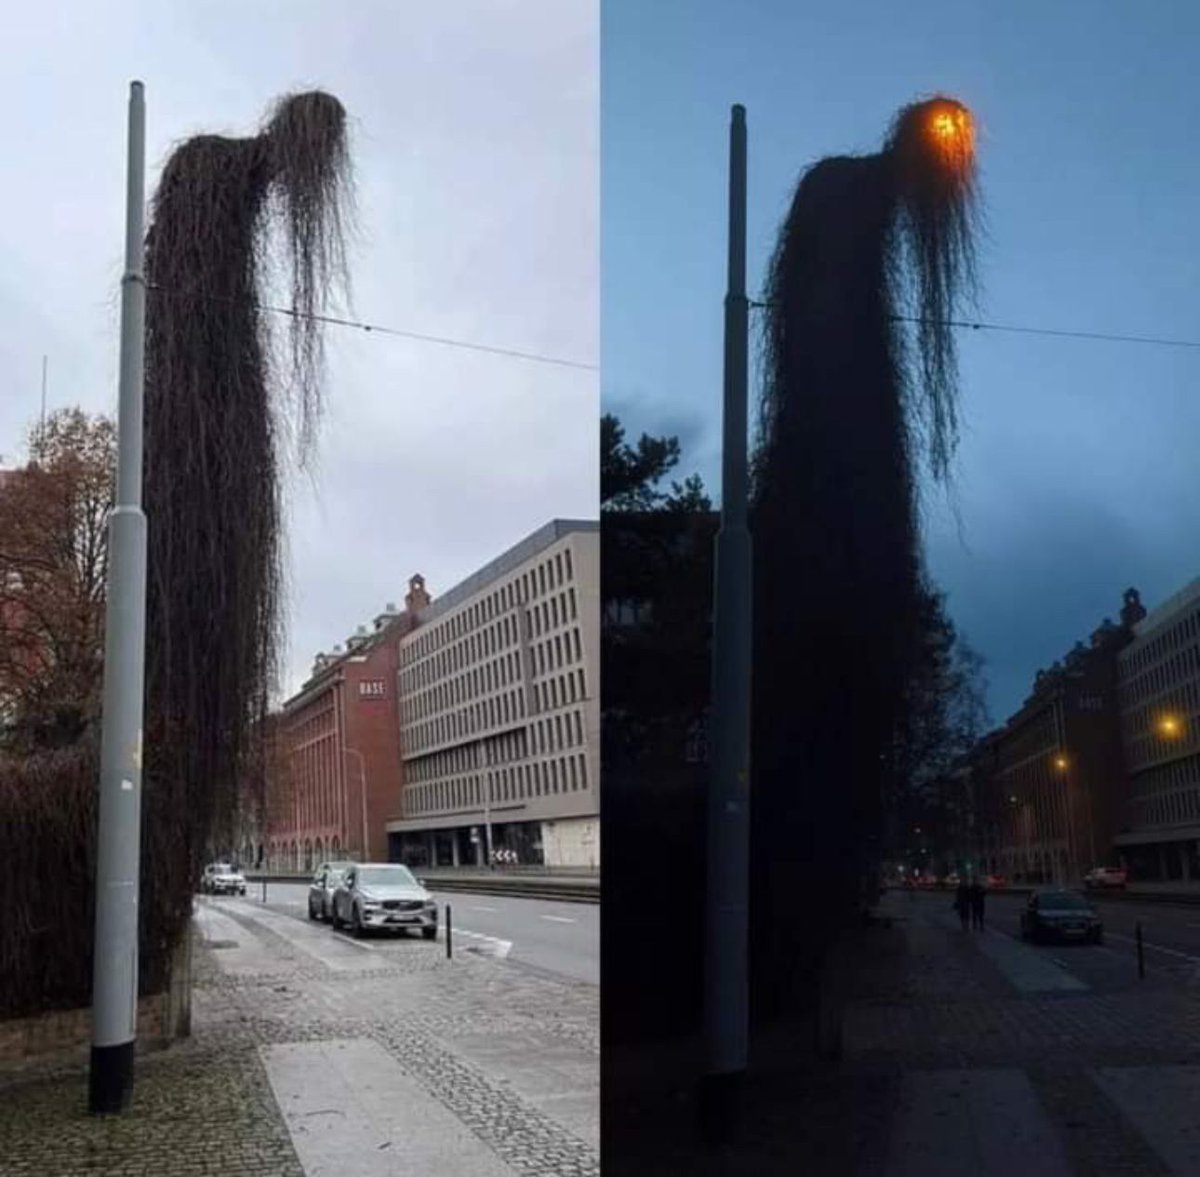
953 131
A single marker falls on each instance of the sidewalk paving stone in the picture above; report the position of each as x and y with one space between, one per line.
206 1105
1110 1075
989 1123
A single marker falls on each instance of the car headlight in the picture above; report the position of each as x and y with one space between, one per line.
430 905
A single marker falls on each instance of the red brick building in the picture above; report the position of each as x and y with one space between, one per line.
338 773
1049 786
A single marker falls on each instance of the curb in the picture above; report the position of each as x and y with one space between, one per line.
565 892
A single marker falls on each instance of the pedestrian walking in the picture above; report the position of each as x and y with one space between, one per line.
962 904
978 896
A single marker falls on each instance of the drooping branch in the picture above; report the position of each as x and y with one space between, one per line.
217 411
852 401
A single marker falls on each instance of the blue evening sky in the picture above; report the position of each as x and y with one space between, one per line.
1078 473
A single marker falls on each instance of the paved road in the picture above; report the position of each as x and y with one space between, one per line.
1171 937
559 938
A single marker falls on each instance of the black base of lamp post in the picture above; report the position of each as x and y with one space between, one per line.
110 1083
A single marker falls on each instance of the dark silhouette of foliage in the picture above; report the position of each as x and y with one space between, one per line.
850 401
629 477
656 573
656 578
48 845
945 712
944 716
221 402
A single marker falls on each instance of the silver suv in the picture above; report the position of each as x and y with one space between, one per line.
222 879
383 897
321 889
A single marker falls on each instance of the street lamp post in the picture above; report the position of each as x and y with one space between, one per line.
726 1012
118 851
362 782
1063 763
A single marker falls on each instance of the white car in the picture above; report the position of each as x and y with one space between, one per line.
383 897
220 878
1105 876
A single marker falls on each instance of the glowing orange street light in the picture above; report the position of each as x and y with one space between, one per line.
1169 726
953 130
1060 762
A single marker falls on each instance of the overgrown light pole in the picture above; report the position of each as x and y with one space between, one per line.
115 964
726 1018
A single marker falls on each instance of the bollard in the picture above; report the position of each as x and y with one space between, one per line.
1141 953
264 889
449 935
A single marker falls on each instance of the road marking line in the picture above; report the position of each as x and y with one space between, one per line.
1156 947
502 947
482 909
558 919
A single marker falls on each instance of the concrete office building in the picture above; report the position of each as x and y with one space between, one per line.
499 710
1159 689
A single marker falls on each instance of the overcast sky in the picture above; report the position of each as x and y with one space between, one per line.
475 139
1077 475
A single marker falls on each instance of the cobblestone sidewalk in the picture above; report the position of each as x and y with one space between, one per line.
513 1055
982 1073
950 1068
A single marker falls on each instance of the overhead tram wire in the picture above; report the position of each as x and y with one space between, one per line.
378 329
1014 329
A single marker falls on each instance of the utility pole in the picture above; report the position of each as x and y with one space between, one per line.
115 969
42 425
726 1014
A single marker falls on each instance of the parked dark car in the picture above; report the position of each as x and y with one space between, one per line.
1053 913
321 889
383 897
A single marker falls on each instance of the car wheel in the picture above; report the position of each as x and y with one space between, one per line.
312 915
335 920
1098 938
429 933
356 924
